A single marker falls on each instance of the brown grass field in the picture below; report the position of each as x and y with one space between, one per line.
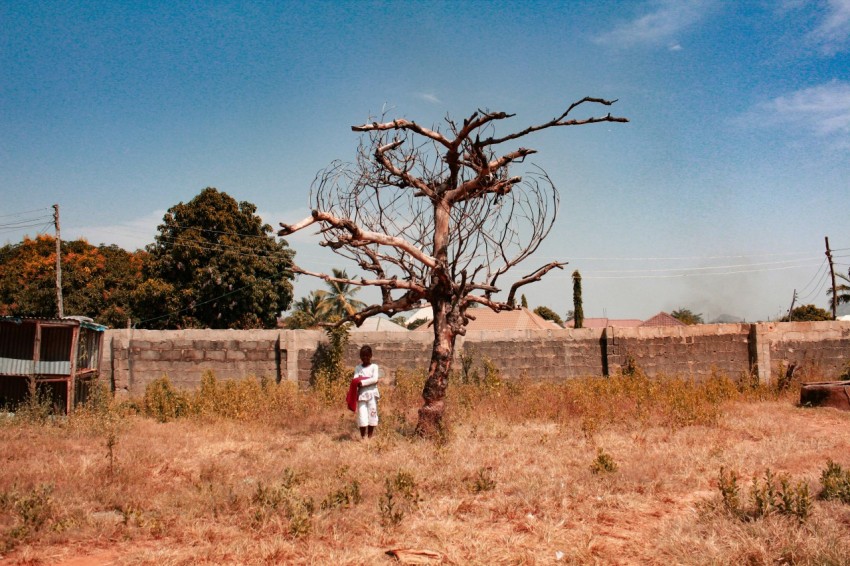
623 470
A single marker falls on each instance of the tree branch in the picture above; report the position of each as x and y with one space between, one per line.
358 235
560 121
402 124
536 276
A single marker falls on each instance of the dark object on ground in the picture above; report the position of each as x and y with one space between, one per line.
826 394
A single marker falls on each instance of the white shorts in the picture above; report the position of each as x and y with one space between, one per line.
367 412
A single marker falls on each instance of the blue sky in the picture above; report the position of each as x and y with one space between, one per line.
716 196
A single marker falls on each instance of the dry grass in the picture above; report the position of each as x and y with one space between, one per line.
597 471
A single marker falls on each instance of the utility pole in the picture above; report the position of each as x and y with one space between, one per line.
60 309
832 274
793 300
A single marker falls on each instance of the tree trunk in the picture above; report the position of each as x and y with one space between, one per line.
434 394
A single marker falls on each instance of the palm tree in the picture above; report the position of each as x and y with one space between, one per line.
339 298
308 312
843 289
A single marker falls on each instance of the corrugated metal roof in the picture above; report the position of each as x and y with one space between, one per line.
83 321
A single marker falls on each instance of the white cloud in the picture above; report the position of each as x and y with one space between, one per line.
822 110
833 33
659 26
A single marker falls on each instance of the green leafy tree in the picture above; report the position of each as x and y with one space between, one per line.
97 282
523 302
578 309
214 264
807 313
687 316
548 314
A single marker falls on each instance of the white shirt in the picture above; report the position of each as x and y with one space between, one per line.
369 385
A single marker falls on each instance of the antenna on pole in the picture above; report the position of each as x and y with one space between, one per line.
60 309
832 274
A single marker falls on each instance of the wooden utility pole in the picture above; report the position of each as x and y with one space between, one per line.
60 309
832 274
791 310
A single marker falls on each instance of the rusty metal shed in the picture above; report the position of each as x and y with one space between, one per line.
61 355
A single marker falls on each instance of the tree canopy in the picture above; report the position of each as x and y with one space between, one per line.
214 264
807 313
97 282
687 316
548 314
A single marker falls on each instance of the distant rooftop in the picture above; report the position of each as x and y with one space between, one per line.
520 319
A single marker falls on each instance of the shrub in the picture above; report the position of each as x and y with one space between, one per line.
163 401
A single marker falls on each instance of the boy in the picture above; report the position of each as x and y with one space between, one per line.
367 398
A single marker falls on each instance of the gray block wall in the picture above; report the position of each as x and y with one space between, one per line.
133 358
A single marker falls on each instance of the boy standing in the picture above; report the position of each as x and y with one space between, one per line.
367 399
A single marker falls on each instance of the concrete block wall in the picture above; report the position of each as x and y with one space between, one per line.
694 351
133 358
819 350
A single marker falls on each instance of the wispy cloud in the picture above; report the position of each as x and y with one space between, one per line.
430 97
832 35
662 21
822 110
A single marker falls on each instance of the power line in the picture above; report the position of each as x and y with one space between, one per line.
683 275
819 288
192 307
704 268
24 212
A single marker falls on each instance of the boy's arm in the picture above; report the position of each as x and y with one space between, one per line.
371 380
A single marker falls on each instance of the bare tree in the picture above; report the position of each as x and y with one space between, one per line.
437 217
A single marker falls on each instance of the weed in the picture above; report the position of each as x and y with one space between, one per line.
274 500
729 491
835 483
603 463
400 496
37 407
766 497
345 496
630 367
32 509
483 480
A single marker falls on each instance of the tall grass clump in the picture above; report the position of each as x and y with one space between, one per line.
634 399
248 399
